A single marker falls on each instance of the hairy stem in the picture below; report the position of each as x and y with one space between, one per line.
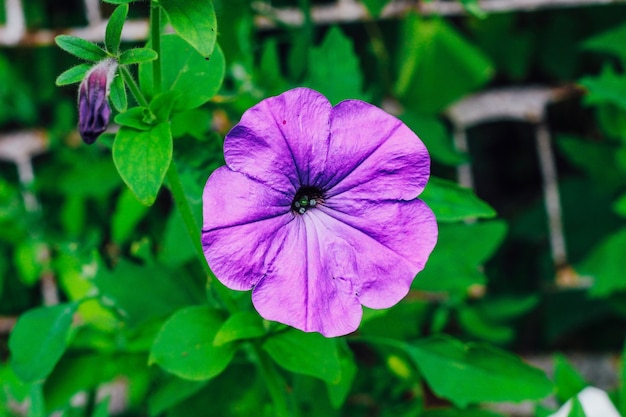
155 38
133 87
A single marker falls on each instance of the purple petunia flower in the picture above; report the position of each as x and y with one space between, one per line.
316 210
93 107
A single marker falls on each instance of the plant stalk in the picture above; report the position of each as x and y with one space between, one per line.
132 85
155 38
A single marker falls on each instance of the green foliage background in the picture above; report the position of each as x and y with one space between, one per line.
136 307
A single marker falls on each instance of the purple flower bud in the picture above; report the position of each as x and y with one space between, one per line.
93 107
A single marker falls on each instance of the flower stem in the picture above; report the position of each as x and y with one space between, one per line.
155 38
132 85
274 382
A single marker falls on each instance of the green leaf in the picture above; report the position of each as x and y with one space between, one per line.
27 258
73 75
102 408
455 412
128 213
606 265
118 94
80 48
87 369
137 55
3 270
334 68
194 21
481 328
473 373
184 346
511 48
473 8
408 317
374 7
298 58
338 391
305 353
451 202
139 118
608 87
269 74
598 159
241 325
431 51
568 381
12 386
161 105
142 158
118 1
450 270
487 319
176 247
620 205
577 409
114 27
172 392
188 70
435 136
505 308
39 339
611 41
612 120
162 291
194 123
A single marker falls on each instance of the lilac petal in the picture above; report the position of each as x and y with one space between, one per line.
307 287
93 108
393 241
283 140
242 228
331 262
373 155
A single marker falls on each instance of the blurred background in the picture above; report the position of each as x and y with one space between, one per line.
524 101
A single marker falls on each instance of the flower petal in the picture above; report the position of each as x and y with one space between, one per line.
242 226
332 262
373 155
393 241
307 290
283 140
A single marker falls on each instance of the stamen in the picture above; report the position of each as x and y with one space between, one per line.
306 198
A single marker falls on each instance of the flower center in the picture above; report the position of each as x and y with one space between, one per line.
306 198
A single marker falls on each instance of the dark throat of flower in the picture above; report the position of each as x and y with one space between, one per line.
306 198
